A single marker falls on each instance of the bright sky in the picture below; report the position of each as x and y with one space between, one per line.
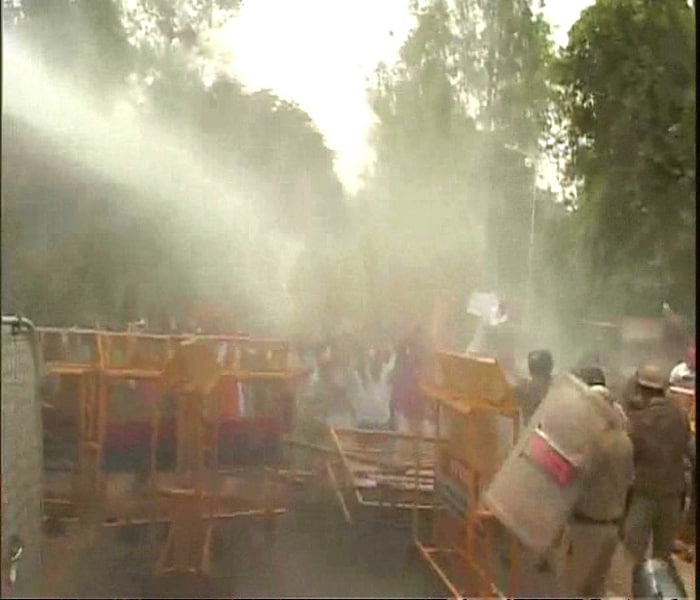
319 53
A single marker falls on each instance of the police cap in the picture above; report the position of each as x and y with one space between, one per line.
650 376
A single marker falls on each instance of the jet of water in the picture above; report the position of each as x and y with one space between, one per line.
156 163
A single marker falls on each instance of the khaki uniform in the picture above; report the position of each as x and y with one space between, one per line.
592 534
660 435
566 512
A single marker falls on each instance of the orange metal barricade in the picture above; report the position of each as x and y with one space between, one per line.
372 471
101 362
685 398
477 425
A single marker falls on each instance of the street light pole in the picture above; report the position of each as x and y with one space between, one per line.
531 249
530 161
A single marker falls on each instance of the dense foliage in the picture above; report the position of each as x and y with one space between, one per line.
627 97
478 86
104 256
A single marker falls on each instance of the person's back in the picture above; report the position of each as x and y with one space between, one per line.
378 398
659 432
406 393
660 435
529 394
410 408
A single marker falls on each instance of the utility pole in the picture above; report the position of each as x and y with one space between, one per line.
530 162
493 203
529 300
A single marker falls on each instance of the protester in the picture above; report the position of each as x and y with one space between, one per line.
411 410
531 392
374 391
595 378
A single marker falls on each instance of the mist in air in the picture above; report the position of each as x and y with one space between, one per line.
173 184
163 173
404 251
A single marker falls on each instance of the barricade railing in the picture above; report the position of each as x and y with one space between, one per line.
376 470
477 424
118 386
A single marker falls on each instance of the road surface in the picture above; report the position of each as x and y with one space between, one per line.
313 553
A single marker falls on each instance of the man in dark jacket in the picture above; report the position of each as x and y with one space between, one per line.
661 438
530 393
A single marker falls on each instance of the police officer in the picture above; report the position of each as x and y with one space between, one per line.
592 534
530 393
572 475
595 378
661 437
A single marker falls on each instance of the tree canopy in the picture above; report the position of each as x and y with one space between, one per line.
627 97
457 116
156 56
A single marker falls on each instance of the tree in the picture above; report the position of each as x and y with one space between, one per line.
627 82
272 139
455 116
64 264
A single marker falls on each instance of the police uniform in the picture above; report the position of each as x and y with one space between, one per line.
592 534
660 435
572 471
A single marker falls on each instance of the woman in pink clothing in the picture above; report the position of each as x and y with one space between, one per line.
410 409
